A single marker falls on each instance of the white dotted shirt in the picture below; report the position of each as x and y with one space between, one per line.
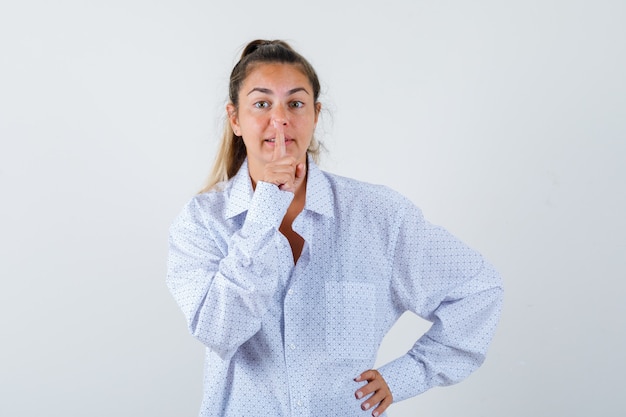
285 340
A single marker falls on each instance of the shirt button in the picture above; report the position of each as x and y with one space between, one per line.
290 291
292 346
299 403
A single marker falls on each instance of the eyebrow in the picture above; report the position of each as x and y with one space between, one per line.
268 91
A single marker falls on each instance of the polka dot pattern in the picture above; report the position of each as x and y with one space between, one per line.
287 340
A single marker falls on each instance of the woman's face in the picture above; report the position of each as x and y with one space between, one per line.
272 93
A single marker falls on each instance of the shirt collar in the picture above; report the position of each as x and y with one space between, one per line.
240 192
319 194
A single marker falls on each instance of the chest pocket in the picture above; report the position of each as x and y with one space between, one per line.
350 320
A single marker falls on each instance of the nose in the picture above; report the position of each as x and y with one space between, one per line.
279 115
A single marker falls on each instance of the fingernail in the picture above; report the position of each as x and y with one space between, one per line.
366 406
375 413
359 394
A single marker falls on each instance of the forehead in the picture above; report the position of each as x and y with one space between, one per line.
276 76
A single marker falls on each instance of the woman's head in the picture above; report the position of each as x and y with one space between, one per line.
257 54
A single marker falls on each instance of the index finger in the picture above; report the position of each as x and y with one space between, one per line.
280 149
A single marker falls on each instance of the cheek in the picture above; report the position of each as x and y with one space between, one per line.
254 125
250 141
310 126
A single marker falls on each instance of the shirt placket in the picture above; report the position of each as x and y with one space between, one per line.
295 352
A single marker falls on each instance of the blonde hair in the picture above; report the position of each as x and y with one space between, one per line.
232 150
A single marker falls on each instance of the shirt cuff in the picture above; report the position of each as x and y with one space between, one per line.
405 377
269 205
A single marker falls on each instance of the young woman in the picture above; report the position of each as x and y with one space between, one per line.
291 276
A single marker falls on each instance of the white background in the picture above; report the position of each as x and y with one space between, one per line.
505 121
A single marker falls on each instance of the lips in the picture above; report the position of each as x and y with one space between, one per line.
274 140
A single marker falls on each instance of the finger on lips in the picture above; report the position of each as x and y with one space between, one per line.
283 170
280 149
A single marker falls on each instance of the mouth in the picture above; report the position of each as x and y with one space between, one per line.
273 140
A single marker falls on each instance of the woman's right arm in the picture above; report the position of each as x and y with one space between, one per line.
224 296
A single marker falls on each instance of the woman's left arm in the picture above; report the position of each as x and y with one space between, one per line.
441 279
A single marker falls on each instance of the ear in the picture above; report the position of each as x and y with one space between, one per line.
231 111
318 108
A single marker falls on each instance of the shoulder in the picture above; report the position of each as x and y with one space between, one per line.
202 208
375 209
354 191
215 197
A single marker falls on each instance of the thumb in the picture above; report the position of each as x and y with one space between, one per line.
300 172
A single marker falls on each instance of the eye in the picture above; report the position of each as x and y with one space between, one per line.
296 104
261 104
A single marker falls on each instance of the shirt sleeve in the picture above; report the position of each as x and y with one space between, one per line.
224 297
441 279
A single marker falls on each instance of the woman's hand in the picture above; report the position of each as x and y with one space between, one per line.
283 170
381 397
